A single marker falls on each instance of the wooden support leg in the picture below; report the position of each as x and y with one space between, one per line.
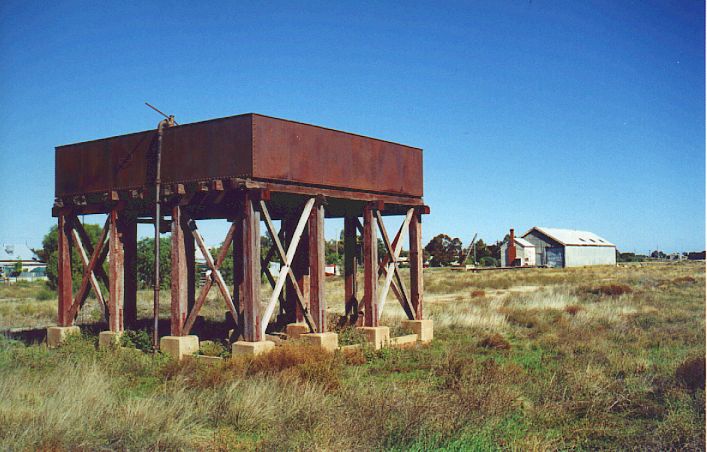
350 267
317 301
251 269
189 250
116 274
238 269
180 283
370 270
64 273
128 227
416 264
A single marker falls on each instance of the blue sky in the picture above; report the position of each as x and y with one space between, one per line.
585 114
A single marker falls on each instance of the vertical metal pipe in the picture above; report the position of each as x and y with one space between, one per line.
156 288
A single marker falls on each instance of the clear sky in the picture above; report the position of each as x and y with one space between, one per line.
582 114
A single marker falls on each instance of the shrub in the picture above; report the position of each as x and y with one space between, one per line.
495 341
139 339
44 295
488 262
684 280
478 294
610 290
573 309
691 373
212 348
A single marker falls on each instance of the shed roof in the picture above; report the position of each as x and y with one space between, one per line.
571 237
10 252
524 243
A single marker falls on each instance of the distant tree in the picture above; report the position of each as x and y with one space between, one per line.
657 254
49 250
17 268
146 262
443 250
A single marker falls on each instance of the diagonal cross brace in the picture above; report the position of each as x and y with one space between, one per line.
286 269
92 276
85 280
223 252
215 273
390 266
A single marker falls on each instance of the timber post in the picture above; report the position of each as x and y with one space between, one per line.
64 272
370 267
115 273
317 300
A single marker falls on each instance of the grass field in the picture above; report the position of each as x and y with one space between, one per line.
589 358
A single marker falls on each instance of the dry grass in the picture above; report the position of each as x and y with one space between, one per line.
537 363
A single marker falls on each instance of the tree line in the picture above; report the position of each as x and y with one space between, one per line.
442 250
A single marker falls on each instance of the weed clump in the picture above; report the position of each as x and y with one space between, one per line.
573 309
139 339
212 348
478 293
684 281
610 290
495 341
691 373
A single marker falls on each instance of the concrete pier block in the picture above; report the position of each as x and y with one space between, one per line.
179 346
379 336
56 335
108 339
327 341
295 330
404 341
423 329
251 348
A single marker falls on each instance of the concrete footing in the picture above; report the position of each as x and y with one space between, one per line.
251 348
423 329
56 335
179 346
295 330
327 341
404 341
379 336
108 339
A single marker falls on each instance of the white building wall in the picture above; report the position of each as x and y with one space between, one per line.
578 256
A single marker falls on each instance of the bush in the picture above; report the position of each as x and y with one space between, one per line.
44 295
139 339
211 348
610 290
495 341
691 373
488 262
478 294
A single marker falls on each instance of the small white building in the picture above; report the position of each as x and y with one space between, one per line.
569 248
524 254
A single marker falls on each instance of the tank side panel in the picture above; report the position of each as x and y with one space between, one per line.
208 150
301 153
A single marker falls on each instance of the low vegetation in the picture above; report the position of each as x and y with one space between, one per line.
592 358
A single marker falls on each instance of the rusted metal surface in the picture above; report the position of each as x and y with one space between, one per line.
249 146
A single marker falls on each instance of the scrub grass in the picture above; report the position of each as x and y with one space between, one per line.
542 361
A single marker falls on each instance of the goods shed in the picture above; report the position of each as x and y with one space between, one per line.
569 248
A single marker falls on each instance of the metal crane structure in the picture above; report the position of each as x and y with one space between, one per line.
249 170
